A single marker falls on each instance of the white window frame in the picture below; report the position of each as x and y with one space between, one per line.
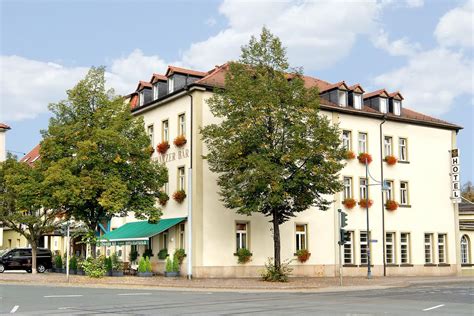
181 178
428 240
362 142
387 146
397 106
357 101
170 84
405 248
442 255
182 236
242 242
346 139
404 192
363 194
342 98
151 134
402 149
465 255
347 192
165 130
348 251
141 98
155 91
164 240
364 247
182 124
301 237
390 249
389 192
383 105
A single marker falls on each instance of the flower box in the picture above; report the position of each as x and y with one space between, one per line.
180 141
391 160
350 155
172 274
179 196
145 274
363 157
391 205
163 198
364 203
303 255
349 203
163 147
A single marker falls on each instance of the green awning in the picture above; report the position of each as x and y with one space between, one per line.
138 233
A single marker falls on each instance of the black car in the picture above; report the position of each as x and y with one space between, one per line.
20 259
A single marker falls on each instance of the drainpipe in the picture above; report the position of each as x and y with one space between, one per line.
381 190
190 194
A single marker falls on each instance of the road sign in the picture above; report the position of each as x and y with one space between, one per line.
373 240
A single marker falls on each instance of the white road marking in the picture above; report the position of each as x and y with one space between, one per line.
14 309
130 294
64 307
72 295
430 308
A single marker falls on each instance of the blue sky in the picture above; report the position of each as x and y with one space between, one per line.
422 48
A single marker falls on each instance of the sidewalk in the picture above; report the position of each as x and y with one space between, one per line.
251 284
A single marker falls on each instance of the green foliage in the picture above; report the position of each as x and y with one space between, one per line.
243 255
108 264
58 262
142 265
273 152
94 267
148 253
169 265
176 265
116 262
147 264
133 255
179 255
73 263
273 273
162 254
95 156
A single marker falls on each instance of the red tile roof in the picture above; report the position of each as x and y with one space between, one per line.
334 86
143 84
173 69
4 126
157 77
353 87
396 93
375 93
32 156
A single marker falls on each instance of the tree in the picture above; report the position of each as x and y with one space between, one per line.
97 157
468 191
273 151
24 203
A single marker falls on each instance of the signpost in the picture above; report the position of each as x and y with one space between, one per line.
455 183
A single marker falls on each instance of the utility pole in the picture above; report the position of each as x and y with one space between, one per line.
67 252
369 272
344 237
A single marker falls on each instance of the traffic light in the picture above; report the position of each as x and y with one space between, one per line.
343 219
344 236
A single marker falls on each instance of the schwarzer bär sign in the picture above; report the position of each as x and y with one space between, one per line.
455 186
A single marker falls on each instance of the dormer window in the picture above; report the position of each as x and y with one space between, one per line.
141 98
383 105
170 85
342 98
357 101
397 105
155 91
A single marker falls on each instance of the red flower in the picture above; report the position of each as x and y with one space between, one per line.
363 157
163 147
350 155
303 255
365 203
179 196
391 205
180 141
349 203
391 160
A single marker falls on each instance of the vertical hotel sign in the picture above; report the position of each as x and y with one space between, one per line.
455 186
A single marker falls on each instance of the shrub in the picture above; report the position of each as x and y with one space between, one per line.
179 255
176 264
163 147
147 264
365 203
243 255
163 198
116 262
58 262
162 254
148 253
169 265
350 155
142 265
349 203
150 150
179 196
133 255
303 255
94 268
180 141
391 160
272 274
363 157
73 263
391 205
108 264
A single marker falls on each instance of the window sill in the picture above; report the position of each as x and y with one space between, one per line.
403 161
407 265
467 265
365 265
392 265
349 265
404 205
444 265
235 254
430 265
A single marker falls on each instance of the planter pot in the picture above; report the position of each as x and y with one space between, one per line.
145 274
60 270
171 274
108 273
72 271
80 272
117 273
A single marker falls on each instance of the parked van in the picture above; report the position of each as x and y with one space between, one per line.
20 259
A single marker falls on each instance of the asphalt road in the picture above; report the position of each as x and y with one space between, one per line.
438 299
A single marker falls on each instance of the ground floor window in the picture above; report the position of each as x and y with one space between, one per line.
164 239
349 249
301 239
364 247
464 249
428 248
405 248
241 235
390 248
181 235
442 258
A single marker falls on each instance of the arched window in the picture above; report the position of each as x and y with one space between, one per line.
464 250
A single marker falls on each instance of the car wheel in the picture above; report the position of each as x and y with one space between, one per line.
2 268
28 271
41 268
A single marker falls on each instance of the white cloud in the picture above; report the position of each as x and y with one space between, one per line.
406 3
456 27
210 22
431 80
317 33
400 47
415 3
28 86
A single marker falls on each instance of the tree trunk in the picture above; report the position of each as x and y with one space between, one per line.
276 240
34 249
